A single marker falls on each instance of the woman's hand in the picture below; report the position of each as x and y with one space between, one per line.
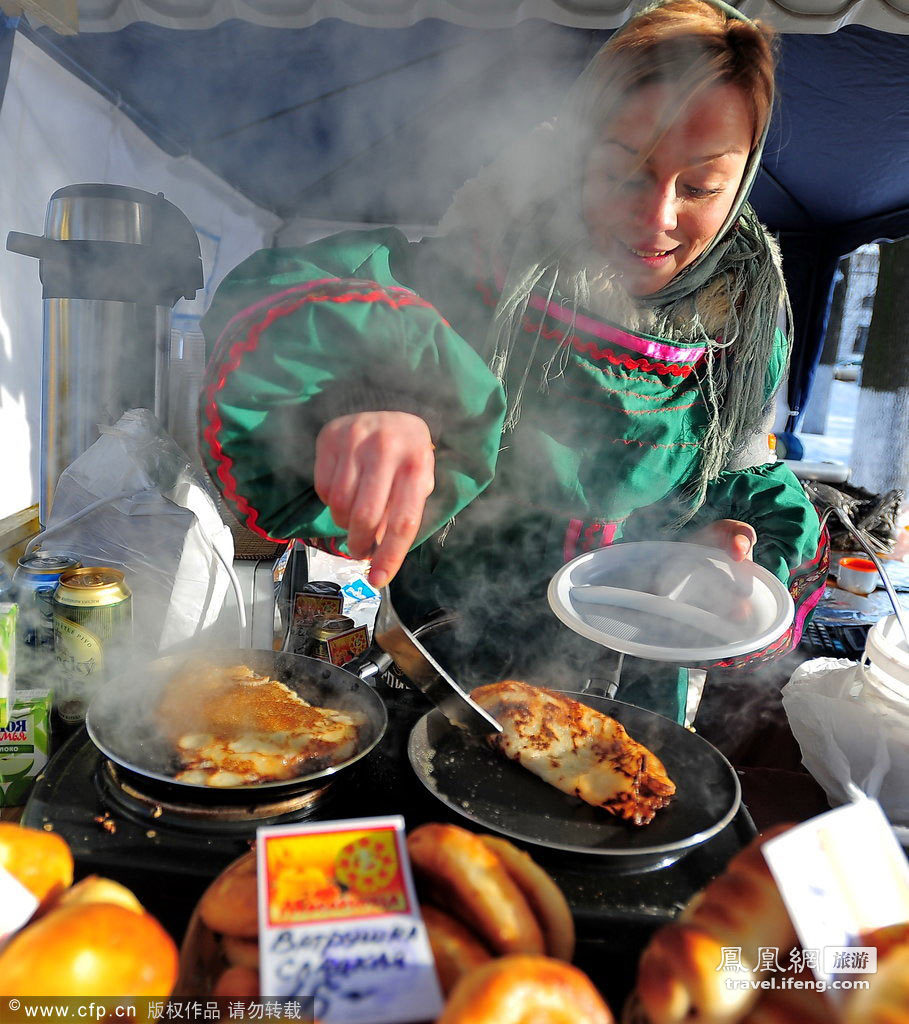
735 538
374 472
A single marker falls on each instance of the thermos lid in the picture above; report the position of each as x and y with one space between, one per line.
117 243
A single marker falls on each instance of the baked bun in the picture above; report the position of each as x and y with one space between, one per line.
886 1000
678 980
241 952
237 983
525 990
743 907
39 860
90 949
230 904
680 975
546 899
790 1006
454 948
460 874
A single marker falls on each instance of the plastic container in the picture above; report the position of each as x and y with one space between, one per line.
857 575
885 667
884 675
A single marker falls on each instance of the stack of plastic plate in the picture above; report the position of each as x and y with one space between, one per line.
663 601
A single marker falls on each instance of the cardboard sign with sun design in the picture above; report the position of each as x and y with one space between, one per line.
326 875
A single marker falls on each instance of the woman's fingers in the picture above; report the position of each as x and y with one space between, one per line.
740 539
370 506
736 538
324 469
396 533
374 471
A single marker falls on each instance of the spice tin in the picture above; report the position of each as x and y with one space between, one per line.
92 613
322 629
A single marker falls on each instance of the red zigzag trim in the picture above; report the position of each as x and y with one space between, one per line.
396 298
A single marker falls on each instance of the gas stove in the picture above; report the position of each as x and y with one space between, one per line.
147 836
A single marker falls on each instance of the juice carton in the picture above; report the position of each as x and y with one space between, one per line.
9 616
24 745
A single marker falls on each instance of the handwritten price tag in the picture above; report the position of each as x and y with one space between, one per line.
841 875
339 922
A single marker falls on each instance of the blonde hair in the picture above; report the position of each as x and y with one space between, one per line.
692 44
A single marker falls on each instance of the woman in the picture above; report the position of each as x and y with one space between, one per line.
586 354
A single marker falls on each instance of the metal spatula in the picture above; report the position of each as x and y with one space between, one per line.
426 674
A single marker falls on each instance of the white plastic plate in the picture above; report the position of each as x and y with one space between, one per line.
674 602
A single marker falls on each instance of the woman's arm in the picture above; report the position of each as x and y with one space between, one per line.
367 367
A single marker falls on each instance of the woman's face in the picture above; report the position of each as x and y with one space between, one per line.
651 219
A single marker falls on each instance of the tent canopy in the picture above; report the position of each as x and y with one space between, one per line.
345 121
785 15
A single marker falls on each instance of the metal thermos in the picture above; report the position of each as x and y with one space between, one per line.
113 261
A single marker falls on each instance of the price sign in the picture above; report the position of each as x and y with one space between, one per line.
339 922
841 876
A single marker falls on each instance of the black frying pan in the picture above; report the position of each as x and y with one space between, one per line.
496 793
122 718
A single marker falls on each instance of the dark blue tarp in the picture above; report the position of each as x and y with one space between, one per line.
339 121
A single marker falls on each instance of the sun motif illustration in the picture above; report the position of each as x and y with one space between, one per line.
368 864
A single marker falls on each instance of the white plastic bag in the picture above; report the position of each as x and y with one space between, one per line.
844 742
163 530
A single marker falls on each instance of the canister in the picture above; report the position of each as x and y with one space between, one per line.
92 615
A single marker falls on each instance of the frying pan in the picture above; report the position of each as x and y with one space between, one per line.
479 784
121 719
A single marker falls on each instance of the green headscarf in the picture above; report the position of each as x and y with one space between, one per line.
741 263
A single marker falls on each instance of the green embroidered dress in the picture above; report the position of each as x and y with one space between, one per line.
367 321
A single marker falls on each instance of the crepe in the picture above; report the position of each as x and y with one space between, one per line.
576 749
233 727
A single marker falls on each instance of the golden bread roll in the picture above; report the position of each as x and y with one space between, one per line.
241 952
791 1005
90 949
463 876
887 939
40 860
886 1000
525 990
94 889
237 983
678 980
546 899
455 950
743 907
632 1011
230 904
681 975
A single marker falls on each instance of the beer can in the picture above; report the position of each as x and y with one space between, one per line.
321 630
92 615
36 579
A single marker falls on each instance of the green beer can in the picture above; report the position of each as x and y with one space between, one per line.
93 615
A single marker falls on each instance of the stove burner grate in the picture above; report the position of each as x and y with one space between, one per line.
157 805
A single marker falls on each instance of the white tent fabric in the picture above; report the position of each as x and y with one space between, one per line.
785 15
43 152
